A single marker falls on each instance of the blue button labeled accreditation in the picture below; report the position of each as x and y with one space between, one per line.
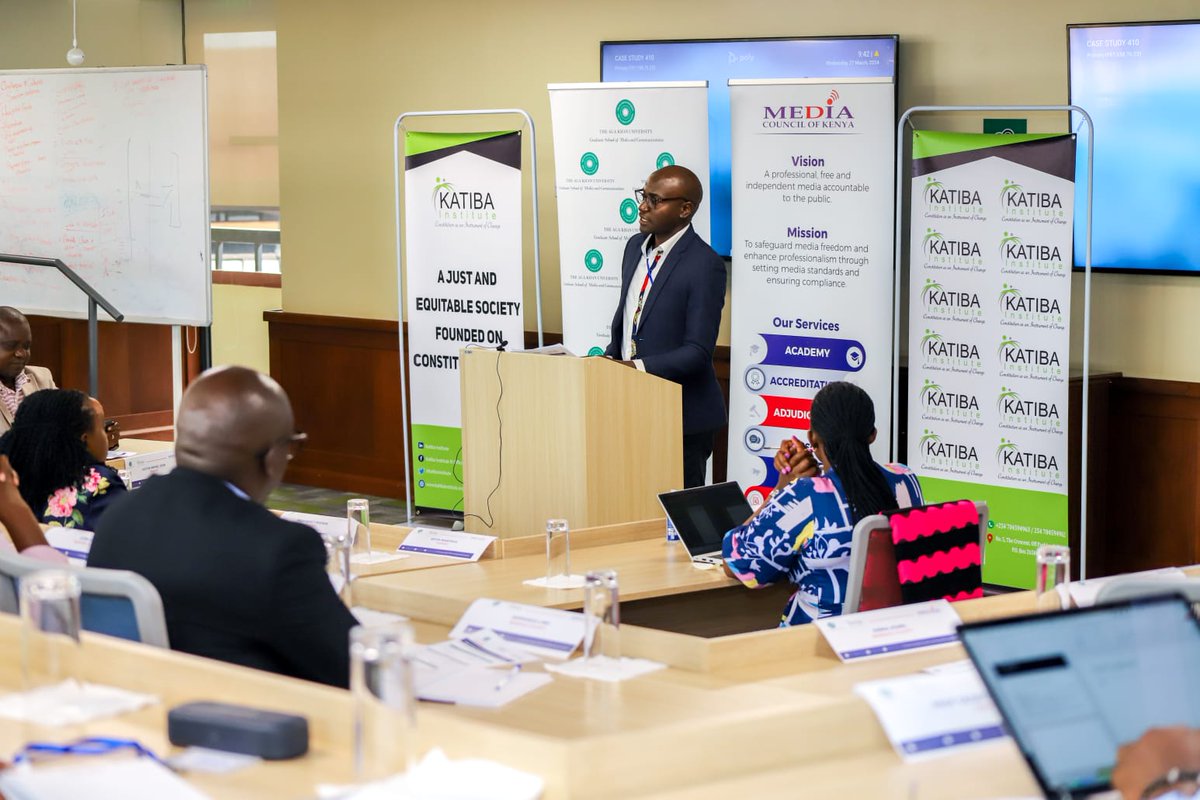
813 352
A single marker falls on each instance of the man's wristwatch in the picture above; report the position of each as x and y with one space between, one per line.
1171 779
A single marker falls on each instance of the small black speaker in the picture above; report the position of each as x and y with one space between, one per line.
238 729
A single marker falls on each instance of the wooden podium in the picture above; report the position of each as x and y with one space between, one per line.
585 439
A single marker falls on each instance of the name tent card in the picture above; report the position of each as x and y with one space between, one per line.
887 631
545 632
449 544
928 714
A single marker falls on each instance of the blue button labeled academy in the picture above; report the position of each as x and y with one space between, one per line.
814 352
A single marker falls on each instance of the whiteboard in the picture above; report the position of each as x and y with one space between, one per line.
107 170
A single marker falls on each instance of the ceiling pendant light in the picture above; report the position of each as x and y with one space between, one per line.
74 55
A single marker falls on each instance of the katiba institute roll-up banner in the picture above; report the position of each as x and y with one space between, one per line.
462 232
989 334
608 137
813 200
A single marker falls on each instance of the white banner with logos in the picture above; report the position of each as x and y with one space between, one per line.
989 334
813 203
608 138
462 234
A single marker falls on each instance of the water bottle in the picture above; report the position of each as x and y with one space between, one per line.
672 534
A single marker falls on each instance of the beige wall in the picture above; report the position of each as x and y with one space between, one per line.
344 75
243 123
239 333
112 33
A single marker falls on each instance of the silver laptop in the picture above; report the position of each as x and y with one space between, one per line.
1074 686
702 516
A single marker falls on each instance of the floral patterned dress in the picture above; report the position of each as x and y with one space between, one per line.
80 506
804 536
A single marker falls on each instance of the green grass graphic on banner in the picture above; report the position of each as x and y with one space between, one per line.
1019 520
437 466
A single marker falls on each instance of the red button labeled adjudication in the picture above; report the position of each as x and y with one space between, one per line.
787 412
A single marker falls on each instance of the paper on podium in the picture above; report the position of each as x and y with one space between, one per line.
551 350
483 687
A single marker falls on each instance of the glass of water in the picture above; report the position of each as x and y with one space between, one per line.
1053 571
558 548
358 527
381 681
50 624
337 564
602 615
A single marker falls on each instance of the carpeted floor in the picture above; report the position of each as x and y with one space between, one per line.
314 500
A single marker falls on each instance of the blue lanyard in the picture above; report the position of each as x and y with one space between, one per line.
90 746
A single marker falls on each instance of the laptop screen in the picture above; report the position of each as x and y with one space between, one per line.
1074 686
702 515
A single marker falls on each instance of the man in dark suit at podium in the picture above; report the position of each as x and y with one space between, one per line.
672 292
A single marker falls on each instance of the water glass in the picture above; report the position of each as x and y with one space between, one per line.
50 624
381 682
358 526
602 615
1053 570
337 564
558 548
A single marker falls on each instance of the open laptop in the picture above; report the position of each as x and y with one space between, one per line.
1073 686
702 516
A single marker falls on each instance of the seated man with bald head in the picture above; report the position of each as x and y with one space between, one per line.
18 379
237 583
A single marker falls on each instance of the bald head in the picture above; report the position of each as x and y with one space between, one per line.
231 422
9 315
682 182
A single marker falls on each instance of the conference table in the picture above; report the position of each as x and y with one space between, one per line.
675 730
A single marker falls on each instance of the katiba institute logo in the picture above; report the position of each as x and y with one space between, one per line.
596 351
1031 310
948 456
626 112
589 163
1030 415
1032 258
951 406
593 260
1016 203
449 202
1020 463
948 198
1029 362
941 251
629 210
664 160
943 303
950 355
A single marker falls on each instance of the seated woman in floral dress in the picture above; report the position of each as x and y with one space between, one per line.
57 445
803 532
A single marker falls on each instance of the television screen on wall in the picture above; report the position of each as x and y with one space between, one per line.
718 60
1140 84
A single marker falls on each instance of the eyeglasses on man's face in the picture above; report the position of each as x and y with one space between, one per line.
294 441
652 200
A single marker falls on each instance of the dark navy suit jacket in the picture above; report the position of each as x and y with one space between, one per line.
677 330
238 583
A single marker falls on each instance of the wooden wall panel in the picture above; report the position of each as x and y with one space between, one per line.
343 377
1153 503
135 368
